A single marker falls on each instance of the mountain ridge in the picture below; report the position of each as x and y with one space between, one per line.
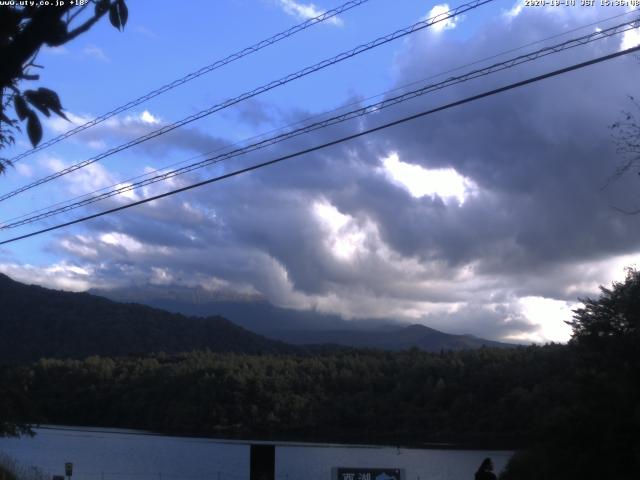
39 322
299 327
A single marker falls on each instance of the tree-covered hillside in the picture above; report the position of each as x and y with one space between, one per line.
486 396
37 322
574 407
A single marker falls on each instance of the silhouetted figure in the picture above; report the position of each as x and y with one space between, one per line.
485 472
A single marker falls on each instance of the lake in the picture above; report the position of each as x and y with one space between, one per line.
109 454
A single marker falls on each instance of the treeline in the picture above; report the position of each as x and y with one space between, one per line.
575 407
485 397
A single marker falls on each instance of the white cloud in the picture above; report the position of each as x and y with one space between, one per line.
97 144
161 276
115 128
146 32
514 11
60 125
147 117
344 237
62 275
84 180
445 183
524 241
25 170
122 240
441 11
630 39
96 52
79 246
306 11
550 314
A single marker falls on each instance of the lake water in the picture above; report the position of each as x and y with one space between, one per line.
105 454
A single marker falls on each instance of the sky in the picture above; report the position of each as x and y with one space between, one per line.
491 218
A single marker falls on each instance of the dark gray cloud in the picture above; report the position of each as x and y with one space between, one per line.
539 224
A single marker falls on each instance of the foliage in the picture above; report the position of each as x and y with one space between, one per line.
24 30
484 397
12 470
15 405
576 406
626 136
5 472
613 316
597 435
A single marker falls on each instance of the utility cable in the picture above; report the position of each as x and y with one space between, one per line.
245 96
299 153
316 117
193 75
365 110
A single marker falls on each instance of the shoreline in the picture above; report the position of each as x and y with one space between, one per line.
290 440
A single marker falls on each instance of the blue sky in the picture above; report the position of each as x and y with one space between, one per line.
488 219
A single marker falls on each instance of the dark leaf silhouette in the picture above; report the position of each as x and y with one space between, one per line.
21 107
34 128
27 27
101 7
51 100
114 16
56 35
37 101
45 100
124 12
118 14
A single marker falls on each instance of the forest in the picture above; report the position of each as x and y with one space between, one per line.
573 410
491 394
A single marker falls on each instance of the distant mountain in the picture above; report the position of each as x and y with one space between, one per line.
299 327
36 322
252 312
400 338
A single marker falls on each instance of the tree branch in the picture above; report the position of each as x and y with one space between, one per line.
85 26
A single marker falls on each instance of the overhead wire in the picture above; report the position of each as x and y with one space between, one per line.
264 88
299 153
195 74
124 187
5 223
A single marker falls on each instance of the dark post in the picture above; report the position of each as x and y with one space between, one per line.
263 462
68 470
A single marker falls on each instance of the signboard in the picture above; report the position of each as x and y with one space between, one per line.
364 473
68 469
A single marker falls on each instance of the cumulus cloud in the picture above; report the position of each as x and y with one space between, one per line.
630 39
63 275
441 11
487 219
122 129
443 183
305 11
85 180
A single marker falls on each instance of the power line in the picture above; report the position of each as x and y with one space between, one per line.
365 110
447 106
6 223
198 73
264 88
